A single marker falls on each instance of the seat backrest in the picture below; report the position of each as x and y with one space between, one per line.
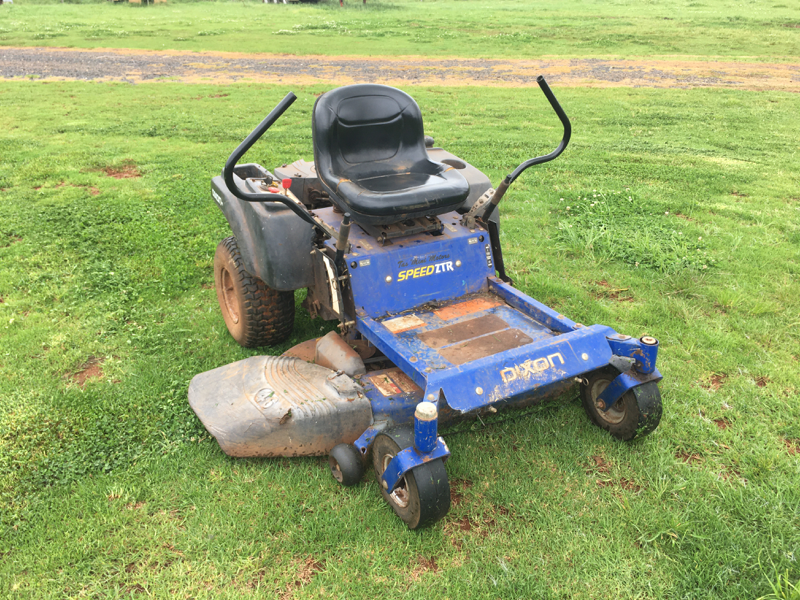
366 130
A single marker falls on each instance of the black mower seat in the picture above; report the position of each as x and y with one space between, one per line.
369 152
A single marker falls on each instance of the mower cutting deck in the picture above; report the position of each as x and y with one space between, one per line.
399 242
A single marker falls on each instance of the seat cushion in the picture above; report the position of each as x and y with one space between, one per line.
369 152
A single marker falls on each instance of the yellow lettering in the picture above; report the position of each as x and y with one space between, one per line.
530 367
508 375
429 270
416 272
402 275
540 364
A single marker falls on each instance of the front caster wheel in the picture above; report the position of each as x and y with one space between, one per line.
423 495
346 465
634 415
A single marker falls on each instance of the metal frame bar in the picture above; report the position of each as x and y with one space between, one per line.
623 383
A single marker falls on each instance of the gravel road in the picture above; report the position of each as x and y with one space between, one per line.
137 66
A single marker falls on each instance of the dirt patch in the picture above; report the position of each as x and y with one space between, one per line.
792 446
684 217
92 189
731 474
11 239
722 423
127 170
689 458
715 382
601 465
762 381
136 589
304 574
91 369
457 489
455 529
138 66
609 293
423 565
463 524
618 296
627 484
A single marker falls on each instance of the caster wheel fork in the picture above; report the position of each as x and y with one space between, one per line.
423 495
634 415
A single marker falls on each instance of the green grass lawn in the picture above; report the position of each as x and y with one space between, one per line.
758 30
673 213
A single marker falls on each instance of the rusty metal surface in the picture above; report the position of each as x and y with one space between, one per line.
334 353
482 347
279 406
460 309
303 351
385 384
405 323
383 234
459 332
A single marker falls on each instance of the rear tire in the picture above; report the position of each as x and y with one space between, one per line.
255 314
635 414
423 495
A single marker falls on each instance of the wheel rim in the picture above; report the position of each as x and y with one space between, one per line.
613 415
336 470
229 295
399 494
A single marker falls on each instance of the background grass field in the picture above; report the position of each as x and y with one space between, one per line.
673 213
758 30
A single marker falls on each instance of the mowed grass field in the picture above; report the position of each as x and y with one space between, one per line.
759 30
679 219
674 213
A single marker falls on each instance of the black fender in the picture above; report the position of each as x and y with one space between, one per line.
275 243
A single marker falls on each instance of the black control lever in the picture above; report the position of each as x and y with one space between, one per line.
501 189
230 164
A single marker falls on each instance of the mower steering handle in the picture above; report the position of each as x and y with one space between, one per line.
230 164
564 140
500 191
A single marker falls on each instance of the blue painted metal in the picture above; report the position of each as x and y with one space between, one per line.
517 372
415 274
408 459
622 384
502 376
425 434
644 354
419 360
422 268
533 308
365 439
394 409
